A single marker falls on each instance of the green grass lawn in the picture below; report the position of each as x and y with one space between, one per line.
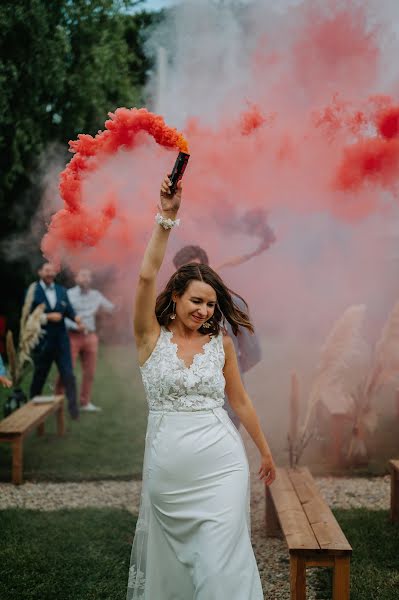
101 445
65 555
84 554
375 560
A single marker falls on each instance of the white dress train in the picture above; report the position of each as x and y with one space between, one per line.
192 539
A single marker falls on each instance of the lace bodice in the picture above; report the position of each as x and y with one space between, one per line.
172 386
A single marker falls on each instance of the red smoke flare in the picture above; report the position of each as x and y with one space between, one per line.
76 225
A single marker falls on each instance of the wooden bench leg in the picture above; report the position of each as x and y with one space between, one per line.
272 524
60 420
297 577
40 429
341 578
394 495
17 460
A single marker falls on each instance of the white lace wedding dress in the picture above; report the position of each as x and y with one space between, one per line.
192 539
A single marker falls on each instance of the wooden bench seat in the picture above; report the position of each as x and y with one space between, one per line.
295 509
394 470
30 416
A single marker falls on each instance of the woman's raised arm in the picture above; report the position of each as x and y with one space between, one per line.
146 327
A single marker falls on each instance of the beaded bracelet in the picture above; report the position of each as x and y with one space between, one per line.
166 223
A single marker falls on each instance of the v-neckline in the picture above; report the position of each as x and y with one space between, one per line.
196 355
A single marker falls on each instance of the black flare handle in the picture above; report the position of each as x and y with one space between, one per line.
178 170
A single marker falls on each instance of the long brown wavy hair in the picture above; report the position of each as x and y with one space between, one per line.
225 310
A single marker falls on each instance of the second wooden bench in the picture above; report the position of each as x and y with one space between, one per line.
295 508
15 427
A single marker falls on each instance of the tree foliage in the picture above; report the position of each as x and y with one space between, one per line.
64 65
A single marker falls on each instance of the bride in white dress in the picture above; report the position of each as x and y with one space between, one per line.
192 539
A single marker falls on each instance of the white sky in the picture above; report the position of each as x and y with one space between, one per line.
156 4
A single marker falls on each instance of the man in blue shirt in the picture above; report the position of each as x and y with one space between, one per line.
54 345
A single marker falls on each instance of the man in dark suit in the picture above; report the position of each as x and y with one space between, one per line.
246 344
54 345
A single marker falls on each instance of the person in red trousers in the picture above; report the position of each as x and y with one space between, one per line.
84 344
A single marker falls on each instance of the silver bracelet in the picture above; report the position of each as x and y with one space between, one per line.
166 223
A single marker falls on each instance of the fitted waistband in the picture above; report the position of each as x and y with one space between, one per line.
219 412
206 411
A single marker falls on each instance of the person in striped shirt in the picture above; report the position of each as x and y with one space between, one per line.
86 302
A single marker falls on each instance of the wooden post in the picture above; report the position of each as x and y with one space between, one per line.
272 524
60 419
40 429
337 428
17 460
294 416
397 402
341 578
298 577
394 513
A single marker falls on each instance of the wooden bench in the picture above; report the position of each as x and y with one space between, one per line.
17 425
295 508
394 470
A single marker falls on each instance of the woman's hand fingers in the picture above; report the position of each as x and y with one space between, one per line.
267 472
170 202
165 185
270 477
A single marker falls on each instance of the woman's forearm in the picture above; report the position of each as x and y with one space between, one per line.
155 252
156 247
145 320
248 417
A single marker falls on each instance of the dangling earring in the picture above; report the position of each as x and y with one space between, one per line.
207 325
173 315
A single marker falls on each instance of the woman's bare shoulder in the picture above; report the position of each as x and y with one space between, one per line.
228 343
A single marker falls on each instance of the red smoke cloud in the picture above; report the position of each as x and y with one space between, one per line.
319 136
251 120
76 225
373 160
388 122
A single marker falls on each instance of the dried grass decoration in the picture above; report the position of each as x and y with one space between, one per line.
342 345
19 361
383 368
337 356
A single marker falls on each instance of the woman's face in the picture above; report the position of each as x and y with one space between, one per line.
196 305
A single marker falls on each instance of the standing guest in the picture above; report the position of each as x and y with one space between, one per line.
5 382
54 345
245 343
86 303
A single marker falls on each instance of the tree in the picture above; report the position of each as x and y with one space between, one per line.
63 66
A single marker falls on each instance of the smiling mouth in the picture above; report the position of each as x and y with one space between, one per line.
198 319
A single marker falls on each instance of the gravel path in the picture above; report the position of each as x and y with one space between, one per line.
271 554
339 492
